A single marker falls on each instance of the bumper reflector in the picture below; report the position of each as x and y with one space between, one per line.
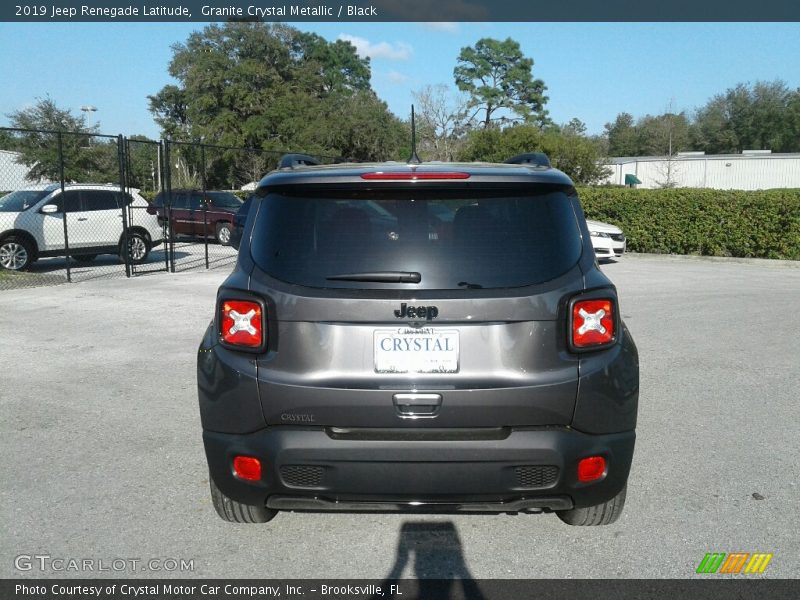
591 468
247 467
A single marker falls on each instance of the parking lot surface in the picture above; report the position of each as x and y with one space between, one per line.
102 455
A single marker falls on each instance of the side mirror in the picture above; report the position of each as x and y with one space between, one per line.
49 209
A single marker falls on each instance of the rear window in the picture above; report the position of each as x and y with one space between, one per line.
454 239
224 200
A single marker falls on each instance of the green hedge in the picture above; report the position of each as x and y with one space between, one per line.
761 224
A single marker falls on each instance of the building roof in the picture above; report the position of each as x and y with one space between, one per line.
620 160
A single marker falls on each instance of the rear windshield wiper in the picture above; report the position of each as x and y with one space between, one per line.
380 277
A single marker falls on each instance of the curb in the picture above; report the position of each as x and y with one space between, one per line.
761 262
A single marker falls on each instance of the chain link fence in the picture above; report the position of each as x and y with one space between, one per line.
204 196
80 206
64 216
144 174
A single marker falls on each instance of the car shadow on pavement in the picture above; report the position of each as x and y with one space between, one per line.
53 270
434 553
104 262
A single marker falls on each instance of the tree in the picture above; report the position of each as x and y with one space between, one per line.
85 158
336 64
749 117
663 135
711 131
792 124
362 128
659 135
253 166
577 155
442 122
143 168
499 80
170 112
622 136
184 175
272 87
574 127
7 140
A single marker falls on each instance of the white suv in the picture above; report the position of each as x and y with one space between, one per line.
32 224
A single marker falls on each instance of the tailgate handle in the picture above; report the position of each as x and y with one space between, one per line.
417 405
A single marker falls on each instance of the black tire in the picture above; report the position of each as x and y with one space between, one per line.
16 253
224 231
236 512
601 514
138 247
85 258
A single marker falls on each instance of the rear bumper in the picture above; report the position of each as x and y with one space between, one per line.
492 470
539 504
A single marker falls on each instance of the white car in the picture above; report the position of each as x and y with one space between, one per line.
32 224
608 240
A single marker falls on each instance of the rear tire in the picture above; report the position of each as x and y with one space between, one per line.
235 512
16 253
600 514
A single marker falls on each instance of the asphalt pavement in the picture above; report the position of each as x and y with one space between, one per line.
102 459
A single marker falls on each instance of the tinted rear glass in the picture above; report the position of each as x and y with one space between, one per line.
99 200
454 239
224 200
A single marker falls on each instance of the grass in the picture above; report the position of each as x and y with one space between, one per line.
10 280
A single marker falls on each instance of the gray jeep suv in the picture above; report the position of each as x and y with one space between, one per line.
418 337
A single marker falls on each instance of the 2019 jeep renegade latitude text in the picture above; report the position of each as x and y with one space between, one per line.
432 337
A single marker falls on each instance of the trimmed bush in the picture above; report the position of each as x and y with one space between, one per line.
760 224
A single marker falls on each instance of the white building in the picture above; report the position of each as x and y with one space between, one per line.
751 170
13 175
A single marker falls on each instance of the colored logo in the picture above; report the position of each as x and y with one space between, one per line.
734 562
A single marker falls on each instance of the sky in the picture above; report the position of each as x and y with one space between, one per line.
593 71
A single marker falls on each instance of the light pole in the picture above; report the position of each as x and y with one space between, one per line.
88 108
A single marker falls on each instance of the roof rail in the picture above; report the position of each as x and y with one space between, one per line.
290 161
535 159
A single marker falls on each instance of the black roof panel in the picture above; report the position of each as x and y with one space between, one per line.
352 172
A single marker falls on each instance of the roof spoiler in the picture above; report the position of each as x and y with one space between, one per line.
534 159
290 161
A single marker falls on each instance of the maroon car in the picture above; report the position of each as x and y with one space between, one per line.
198 214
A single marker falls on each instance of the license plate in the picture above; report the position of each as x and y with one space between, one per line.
409 350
